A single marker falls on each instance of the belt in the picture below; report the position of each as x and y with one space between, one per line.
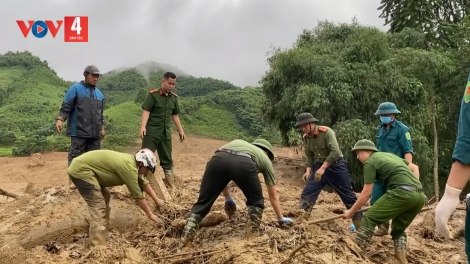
409 188
236 153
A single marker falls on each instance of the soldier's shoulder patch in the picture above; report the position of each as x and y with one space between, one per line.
408 135
174 94
323 128
153 91
467 93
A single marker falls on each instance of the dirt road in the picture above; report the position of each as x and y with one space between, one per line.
49 225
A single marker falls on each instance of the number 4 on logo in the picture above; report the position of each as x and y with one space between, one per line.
76 29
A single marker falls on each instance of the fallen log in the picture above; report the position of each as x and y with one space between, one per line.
8 194
212 219
327 219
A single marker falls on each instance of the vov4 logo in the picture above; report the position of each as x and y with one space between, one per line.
75 28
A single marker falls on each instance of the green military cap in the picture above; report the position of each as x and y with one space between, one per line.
305 118
364 144
266 146
387 108
92 69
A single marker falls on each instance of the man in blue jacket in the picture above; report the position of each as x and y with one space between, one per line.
83 107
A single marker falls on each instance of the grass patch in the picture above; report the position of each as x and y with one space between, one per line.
5 152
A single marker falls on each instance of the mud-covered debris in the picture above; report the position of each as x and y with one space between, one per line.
53 247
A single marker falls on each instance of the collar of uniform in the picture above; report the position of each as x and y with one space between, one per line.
160 92
393 124
315 133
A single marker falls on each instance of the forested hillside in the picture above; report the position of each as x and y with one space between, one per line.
33 94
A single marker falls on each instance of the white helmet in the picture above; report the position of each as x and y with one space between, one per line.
147 157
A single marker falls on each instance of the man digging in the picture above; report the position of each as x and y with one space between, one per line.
94 171
401 203
237 161
325 166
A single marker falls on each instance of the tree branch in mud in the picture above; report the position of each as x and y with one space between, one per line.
8 194
213 218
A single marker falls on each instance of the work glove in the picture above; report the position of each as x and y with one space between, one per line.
230 208
446 206
352 227
284 221
305 177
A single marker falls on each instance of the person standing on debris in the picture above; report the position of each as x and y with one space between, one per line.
325 165
459 175
83 107
94 171
401 203
158 108
393 137
237 161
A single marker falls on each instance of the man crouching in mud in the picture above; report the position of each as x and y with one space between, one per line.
93 171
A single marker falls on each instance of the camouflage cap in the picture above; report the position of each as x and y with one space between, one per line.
92 69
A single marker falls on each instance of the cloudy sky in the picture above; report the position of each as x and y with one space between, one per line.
224 39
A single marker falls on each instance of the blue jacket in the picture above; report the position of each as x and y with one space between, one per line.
83 109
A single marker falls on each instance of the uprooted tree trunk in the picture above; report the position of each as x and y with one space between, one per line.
8 194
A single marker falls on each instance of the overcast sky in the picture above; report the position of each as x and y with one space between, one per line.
224 39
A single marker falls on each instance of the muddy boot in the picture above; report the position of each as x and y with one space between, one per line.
356 223
189 231
400 250
307 206
382 229
255 215
170 179
97 234
363 237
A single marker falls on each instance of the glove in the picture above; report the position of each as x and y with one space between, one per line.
230 208
285 221
445 207
305 177
352 227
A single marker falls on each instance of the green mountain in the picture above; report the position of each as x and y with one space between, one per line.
32 94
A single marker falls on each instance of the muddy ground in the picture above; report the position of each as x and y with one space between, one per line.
49 223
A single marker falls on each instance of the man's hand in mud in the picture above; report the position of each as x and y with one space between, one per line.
230 208
284 221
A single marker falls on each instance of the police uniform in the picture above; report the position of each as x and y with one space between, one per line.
320 147
403 200
158 128
396 140
461 153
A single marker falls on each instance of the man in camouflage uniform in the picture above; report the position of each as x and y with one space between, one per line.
393 137
325 165
402 201
161 106
459 175
83 107
237 161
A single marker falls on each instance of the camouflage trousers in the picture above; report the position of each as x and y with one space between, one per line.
397 204
98 207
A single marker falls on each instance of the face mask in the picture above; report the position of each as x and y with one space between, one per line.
385 119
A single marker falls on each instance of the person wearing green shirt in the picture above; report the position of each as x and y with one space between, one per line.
161 106
94 171
237 161
393 137
401 203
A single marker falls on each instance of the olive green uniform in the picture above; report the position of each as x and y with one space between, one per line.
158 129
94 171
402 201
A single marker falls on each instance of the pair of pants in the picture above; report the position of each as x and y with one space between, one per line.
80 145
337 176
220 170
98 207
377 192
467 228
397 204
163 147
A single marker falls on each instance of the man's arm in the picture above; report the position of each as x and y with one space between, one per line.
369 179
269 180
332 145
147 106
145 186
404 139
102 114
308 158
413 167
175 116
68 103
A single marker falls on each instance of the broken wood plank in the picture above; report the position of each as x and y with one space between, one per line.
159 187
8 194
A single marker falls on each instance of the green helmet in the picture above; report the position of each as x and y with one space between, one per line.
305 118
266 146
364 144
387 108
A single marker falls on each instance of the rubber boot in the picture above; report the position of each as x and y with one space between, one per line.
255 215
189 231
382 229
170 179
357 223
400 250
